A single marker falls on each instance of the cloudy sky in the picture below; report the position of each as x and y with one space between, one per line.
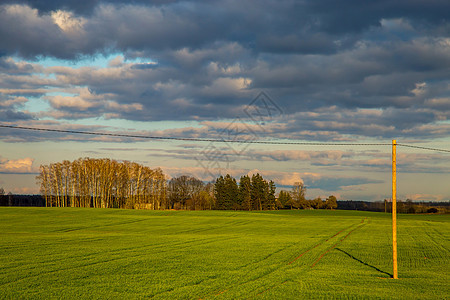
281 71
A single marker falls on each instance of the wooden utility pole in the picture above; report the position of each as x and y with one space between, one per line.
394 209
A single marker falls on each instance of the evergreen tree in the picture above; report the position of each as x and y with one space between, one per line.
259 192
253 193
271 196
232 193
226 192
219 192
245 193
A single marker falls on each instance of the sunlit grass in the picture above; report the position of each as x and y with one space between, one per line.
109 253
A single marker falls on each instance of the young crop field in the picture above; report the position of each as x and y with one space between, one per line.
127 254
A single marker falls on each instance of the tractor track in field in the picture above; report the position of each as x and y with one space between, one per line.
98 226
171 289
292 245
334 246
320 243
265 257
433 238
277 268
113 251
272 287
361 224
226 225
265 269
116 252
266 273
364 263
182 245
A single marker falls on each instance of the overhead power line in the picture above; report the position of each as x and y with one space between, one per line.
213 140
191 139
424 148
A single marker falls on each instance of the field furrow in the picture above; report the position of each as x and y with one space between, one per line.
108 253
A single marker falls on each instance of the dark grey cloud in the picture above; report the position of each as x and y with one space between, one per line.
318 43
11 115
340 70
349 15
336 184
314 27
80 7
8 66
10 108
12 135
356 16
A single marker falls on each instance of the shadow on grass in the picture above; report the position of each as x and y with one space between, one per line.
364 263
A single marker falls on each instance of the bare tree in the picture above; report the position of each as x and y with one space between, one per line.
184 192
102 183
298 195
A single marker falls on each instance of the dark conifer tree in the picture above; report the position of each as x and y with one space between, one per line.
245 193
226 192
259 192
219 192
271 196
232 193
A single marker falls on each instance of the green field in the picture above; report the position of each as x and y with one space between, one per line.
110 253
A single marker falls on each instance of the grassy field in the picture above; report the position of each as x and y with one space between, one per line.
109 253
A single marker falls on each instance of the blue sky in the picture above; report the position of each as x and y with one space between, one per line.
357 72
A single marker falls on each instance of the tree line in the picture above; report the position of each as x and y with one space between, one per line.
88 182
403 206
296 199
249 193
105 183
253 193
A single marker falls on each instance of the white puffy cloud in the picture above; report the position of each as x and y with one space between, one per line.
69 23
12 101
16 166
